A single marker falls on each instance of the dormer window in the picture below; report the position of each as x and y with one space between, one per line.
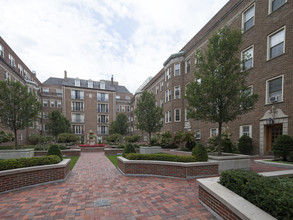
102 85
90 84
77 82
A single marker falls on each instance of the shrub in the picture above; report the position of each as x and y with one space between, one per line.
178 138
154 141
45 139
165 139
28 162
128 149
67 138
273 195
245 145
283 146
227 145
133 138
161 157
94 145
200 152
34 139
55 150
114 138
121 145
190 145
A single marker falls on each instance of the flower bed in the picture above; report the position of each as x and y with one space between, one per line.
94 145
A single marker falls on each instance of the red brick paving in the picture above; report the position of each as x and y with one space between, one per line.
94 177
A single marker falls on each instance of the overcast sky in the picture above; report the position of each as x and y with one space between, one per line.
95 39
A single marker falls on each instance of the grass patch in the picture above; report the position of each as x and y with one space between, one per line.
113 159
280 161
73 161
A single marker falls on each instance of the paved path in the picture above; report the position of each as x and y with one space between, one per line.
94 177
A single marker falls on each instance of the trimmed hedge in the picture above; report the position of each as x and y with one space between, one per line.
9 164
161 157
55 150
273 195
245 145
128 149
283 146
200 152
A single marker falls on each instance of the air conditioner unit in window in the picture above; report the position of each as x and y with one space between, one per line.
275 99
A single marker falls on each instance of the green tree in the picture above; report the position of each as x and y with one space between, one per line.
148 114
18 107
220 94
58 124
120 125
5 137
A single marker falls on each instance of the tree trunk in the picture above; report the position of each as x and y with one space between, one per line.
15 140
150 138
220 139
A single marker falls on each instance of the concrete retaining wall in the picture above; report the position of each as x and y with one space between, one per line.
14 154
69 153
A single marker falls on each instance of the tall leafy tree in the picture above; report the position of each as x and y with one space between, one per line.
120 125
220 94
148 114
18 107
58 124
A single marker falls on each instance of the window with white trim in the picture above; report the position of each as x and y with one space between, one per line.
45 115
20 68
177 69
45 91
274 90
77 118
276 43
117 97
168 95
245 130
157 89
275 4
90 84
7 76
118 108
45 103
52 103
177 92
103 108
103 119
77 82
197 134
102 97
77 94
11 60
214 132
77 106
187 66
20 137
1 51
162 86
168 117
122 108
102 85
247 57
248 18
161 103
59 92
186 117
168 74
177 115
103 130
58 104
77 129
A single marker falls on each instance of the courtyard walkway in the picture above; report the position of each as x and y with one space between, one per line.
96 190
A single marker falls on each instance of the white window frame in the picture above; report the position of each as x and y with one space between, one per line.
59 92
59 104
267 90
168 117
46 91
157 89
45 103
162 86
197 134
241 130
270 8
45 115
177 71
52 103
186 111
118 108
73 118
175 88
77 82
81 94
122 108
105 132
168 74
168 95
175 114
102 97
1 50
77 106
106 108
242 56
186 65
77 129
211 132
106 117
90 84
161 103
269 42
20 69
11 60
102 85
243 17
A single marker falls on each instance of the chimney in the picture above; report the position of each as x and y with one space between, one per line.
112 80
65 75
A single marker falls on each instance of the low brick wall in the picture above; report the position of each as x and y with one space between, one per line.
91 149
29 176
226 204
69 153
167 169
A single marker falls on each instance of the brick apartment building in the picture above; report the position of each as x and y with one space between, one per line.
88 105
267 27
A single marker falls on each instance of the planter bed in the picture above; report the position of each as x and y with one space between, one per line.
30 176
91 149
67 153
166 168
269 162
115 151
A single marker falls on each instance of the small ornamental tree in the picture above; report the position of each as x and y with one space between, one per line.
120 125
220 94
5 137
18 107
58 124
148 114
245 145
283 146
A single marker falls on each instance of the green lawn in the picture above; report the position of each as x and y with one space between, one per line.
73 161
113 159
279 161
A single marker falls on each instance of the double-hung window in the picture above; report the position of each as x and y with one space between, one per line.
177 92
177 69
162 86
103 119
77 82
213 132
168 74
275 4
247 57
45 103
103 130
1 51
168 95
77 94
197 134
77 118
77 106
52 103
168 117
276 43
187 66
245 130
103 108
11 60
274 89
102 97
177 115
77 129
248 18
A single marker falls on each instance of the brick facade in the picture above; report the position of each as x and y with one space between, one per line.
269 118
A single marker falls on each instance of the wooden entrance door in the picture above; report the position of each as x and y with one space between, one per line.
272 132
